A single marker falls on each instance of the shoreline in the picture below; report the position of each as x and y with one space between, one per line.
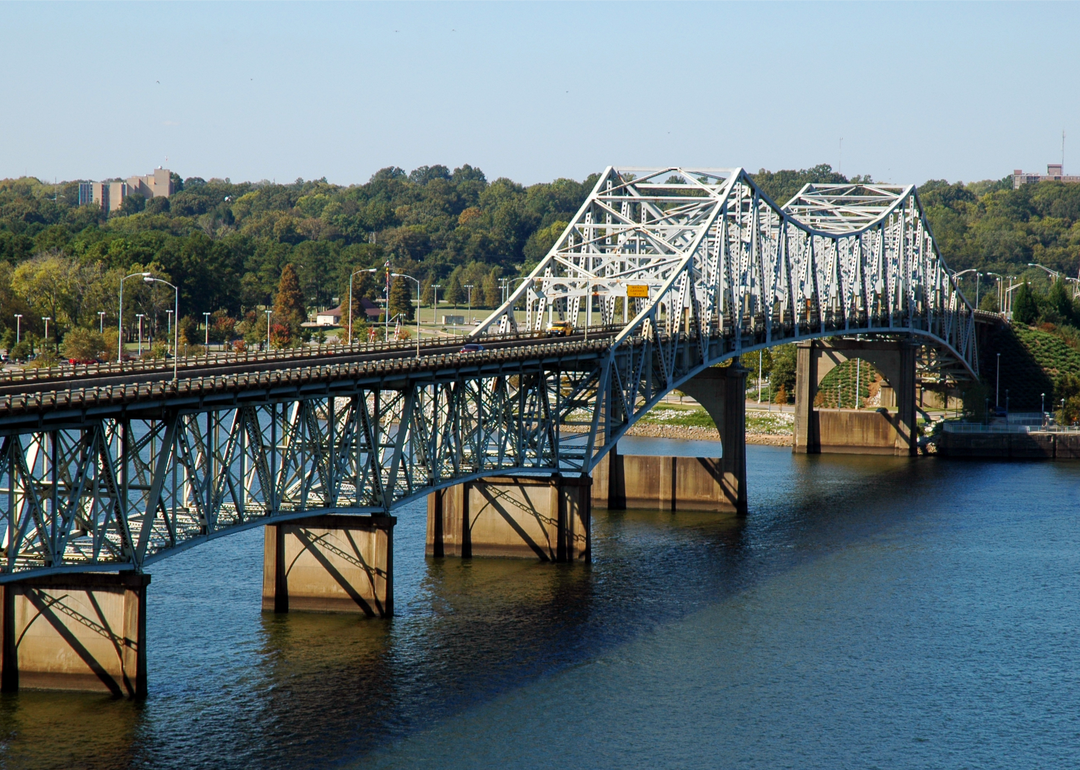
694 433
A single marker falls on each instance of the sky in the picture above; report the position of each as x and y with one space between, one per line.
904 92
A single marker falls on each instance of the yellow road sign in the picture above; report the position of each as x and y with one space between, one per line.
637 291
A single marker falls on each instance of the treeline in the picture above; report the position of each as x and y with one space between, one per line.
991 227
225 245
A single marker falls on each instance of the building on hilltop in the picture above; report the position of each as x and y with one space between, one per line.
110 195
1055 172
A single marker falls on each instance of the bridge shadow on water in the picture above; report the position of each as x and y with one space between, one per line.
232 687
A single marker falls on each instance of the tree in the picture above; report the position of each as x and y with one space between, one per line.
1059 303
783 368
400 298
132 204
490 289
455 294
1025 310
289 306
84 345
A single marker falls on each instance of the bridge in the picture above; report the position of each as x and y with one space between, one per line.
666 275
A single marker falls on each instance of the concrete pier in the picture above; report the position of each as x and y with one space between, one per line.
855 431
515 516
76 631
330 563
663 483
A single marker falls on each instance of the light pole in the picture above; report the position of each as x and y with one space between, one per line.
1042 403
140 317
101 319
435 303
469 288
268 314
206 327
369 270
120 318
759 377
999 277
46 319
997 384
402 275
18 328
176 309
169 314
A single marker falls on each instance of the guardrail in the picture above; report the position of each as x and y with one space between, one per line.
978 427
140 365
79 397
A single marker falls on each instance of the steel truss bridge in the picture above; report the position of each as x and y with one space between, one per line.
664 271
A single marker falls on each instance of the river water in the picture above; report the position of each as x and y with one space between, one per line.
869 612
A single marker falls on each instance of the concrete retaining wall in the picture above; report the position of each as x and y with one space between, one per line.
75 632
1021 446
330 564
517 516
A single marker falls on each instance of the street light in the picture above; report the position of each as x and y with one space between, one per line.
206 326
120 318
169 314
140 316
101 319
1052 273
1042 403
997 384
46 319
369 270
435 303
402 275
176 306
469 288
18 328
268 314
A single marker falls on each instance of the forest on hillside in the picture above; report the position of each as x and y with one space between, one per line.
225 245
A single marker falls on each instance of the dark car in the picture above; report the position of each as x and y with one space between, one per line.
471 347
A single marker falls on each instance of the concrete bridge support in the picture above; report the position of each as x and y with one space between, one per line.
516 516
855 431
75 631
330 563
686 483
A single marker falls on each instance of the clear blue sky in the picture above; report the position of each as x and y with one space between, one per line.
255 91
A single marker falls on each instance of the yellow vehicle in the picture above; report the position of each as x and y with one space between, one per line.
560 329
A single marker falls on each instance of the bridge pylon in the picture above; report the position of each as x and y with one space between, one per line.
855 431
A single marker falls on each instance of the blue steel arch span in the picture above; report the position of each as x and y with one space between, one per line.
666 271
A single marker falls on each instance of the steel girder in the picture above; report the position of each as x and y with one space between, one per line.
121 491
718 270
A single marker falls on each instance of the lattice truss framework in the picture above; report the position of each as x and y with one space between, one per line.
721 270
121 493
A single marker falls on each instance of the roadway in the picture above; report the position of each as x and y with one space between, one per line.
66 378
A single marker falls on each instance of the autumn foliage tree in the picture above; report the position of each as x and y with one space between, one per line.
289 307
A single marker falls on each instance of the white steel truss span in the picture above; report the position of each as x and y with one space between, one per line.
698 266
668 271
714 257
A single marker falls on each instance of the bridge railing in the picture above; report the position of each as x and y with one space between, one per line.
141 365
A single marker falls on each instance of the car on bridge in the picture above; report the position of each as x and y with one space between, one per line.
472 347
560 329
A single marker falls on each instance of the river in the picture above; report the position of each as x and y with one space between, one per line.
869 612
